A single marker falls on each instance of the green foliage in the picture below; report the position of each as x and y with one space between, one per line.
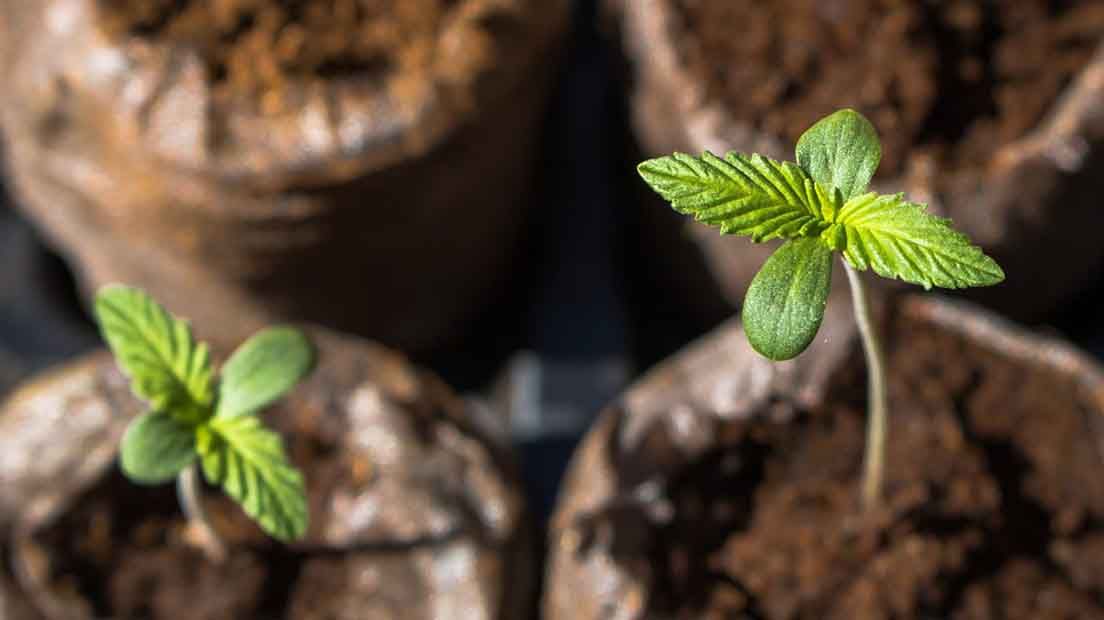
262 370
822 205
156 448
247 460
752 196
842 152
898 239
173 373
168 369
785 302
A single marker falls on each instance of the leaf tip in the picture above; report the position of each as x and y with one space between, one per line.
115 288
263 369
995 273
841 151
850 114
650 171
295 532
107 296
772 354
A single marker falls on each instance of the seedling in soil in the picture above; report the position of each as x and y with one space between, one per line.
821 206
194 418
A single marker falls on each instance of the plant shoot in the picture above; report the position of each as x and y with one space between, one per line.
195 421
821 206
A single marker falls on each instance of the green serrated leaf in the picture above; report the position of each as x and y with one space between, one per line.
156 448
785 303
841 152
262 370
248 461
899 239
167 368
743 195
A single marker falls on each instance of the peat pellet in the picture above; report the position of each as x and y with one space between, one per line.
989 111
722 485
415 511
361 164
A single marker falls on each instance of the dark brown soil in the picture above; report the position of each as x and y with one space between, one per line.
995 501
945 82
257 47
123 548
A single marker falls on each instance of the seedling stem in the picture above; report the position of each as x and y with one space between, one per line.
877 408
200 530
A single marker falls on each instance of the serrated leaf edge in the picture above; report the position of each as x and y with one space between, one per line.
817 205
281 524
854 228
197 379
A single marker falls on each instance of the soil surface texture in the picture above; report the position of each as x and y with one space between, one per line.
946 83
994 502
256 47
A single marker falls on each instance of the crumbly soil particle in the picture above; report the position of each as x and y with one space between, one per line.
258 47
995 505
946 83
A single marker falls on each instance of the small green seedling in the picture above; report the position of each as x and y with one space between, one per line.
192 417
819 206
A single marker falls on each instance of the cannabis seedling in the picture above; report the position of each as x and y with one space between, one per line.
192 417
819 206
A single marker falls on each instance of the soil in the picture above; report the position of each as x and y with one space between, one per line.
994 509
946 83
258 47
124 551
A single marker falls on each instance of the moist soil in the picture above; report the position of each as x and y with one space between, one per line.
994 501
124 550
259 47
946 83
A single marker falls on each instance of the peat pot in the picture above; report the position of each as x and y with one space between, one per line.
416 512
723 486
990 111
363 165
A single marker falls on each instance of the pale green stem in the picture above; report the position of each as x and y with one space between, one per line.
205 536
877 408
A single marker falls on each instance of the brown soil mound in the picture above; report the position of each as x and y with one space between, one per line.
995 509
258 46
967 74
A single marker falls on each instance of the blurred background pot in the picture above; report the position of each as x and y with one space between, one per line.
724 486
415 507
359 164
13 605
991 112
